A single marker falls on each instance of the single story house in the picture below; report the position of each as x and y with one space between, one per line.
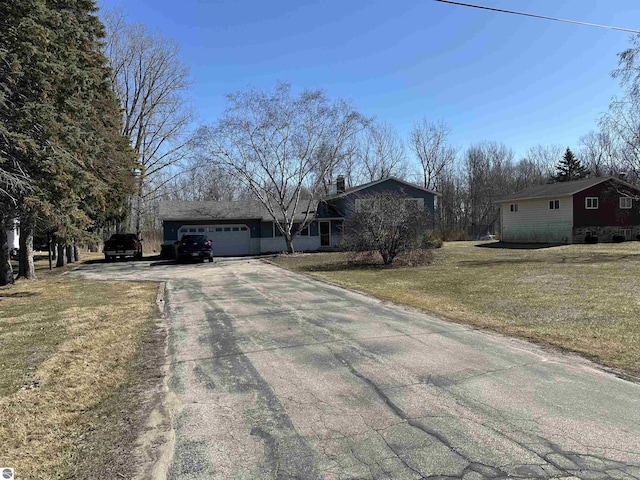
245 227
568 212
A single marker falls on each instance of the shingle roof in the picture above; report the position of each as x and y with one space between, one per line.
559 189
214 210
376 182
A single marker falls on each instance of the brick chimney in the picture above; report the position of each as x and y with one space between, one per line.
340 184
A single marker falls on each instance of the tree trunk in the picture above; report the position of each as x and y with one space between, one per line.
6 272
61 257
76 252
26 268
70 258
54 249
289 240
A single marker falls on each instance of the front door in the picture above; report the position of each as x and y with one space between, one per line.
325 234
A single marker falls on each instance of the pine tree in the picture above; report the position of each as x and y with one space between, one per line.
570 168
59 120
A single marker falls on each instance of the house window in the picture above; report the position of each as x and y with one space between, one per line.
201 230
276 231
626 232
626 202
554 204
513 207
211 229
243 229
218 229
591 203
183 230
227 229
236 229
192 230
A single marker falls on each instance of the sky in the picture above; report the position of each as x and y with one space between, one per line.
490 76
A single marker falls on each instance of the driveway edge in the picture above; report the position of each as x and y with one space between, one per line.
155 445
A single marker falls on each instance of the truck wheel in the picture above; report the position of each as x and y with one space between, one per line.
107 258
210 259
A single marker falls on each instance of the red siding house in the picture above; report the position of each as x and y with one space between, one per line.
568 212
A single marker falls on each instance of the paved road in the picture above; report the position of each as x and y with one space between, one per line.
280 376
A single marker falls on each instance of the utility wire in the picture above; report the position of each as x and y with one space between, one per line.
539 16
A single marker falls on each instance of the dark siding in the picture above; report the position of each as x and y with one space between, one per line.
341 207
609 212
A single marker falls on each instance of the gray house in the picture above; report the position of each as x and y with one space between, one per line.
246 228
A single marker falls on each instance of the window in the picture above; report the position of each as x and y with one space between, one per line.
591 203
218 229
243 229
554 204
227 229
236 229
513 207
211 229
626 202
192 230
276 231
183 230
201 230
626 232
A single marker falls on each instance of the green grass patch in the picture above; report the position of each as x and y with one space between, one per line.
583 298
66 347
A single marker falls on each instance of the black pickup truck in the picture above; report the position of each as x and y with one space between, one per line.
122 245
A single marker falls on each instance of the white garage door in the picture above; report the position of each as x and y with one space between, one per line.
228 240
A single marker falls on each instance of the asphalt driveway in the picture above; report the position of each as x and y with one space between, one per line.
280 376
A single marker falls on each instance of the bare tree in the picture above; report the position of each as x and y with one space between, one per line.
429 144
381 152
280 146
150 81
599 154
388 223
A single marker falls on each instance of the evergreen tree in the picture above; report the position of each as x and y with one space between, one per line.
60 120
570 168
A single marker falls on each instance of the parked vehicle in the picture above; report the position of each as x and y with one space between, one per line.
194 247
122 245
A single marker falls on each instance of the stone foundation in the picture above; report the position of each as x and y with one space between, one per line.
604 234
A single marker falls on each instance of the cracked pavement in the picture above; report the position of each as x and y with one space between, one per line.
281 376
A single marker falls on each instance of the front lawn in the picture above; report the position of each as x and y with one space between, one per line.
584 298
69 351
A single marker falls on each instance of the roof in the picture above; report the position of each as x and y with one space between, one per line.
560 189
357 188
215 210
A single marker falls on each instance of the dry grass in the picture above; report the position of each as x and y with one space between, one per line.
584 298
65 347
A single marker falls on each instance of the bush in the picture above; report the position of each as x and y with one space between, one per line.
431 240
618 238
638 237
590 239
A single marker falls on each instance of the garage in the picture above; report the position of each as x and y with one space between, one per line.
228 240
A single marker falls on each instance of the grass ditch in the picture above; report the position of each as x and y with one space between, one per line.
71 356
582 298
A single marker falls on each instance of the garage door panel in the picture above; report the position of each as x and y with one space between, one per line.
229 240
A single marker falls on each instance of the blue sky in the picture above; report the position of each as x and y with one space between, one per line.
491 76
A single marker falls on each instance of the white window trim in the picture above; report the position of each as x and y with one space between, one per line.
513 208
626 232
629 203
586 203
552 205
